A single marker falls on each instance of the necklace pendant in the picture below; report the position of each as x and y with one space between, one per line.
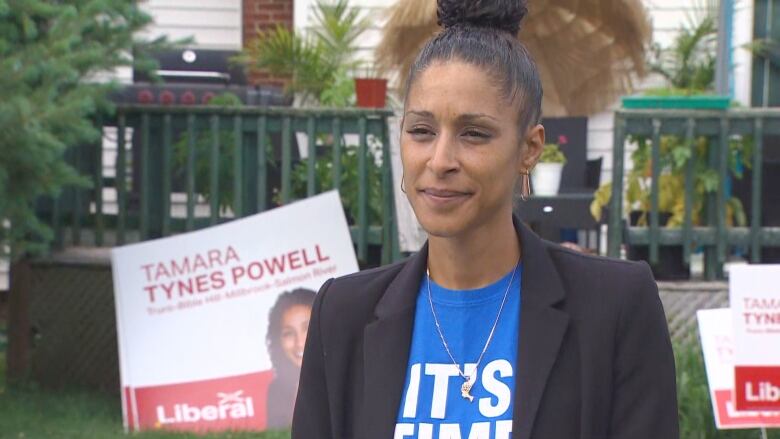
465 391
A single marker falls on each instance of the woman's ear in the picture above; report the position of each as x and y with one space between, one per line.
533 144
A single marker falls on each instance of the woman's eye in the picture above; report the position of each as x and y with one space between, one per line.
420 131
477 134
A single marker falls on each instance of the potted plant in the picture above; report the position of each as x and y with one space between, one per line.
675 154
317 63
688 67
546 176
370 89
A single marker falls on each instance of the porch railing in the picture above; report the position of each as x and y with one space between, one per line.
719 128
174 169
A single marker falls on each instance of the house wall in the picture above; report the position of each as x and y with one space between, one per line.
213 24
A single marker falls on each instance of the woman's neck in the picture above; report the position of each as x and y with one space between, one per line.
476 259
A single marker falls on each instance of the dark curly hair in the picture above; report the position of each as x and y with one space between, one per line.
273 337
484 33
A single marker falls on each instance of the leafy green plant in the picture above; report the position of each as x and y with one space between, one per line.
317 63
350 181
552 154
202 145
675 155
689 64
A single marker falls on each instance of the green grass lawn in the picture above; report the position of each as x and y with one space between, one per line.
31 413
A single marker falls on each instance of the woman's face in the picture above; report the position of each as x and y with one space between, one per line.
462 149
295 325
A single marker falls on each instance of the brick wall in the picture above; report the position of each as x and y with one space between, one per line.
264 15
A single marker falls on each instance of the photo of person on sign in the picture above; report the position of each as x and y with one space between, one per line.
288 324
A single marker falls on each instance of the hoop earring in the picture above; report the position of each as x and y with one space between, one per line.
403 189
525 186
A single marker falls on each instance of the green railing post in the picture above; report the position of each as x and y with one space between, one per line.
238 163
362 192
711 213
337 153
654 190
312 156
121 180
689 183
191 157
262 169
286 160
755 213
723 171
98 179
214 168
615 232
145 189
166 175
387 187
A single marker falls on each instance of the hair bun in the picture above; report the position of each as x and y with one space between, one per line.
504 15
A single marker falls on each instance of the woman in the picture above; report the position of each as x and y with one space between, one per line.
288 323
488 331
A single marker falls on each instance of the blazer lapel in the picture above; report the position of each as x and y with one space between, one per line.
386 343
541 329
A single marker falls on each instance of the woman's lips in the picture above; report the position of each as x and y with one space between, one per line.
444 197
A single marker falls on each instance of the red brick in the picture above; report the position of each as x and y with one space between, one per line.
265 15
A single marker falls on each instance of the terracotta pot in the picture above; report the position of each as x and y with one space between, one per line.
546 178
371 92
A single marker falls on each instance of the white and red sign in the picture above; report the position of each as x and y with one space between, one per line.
717 341
212 323
755 300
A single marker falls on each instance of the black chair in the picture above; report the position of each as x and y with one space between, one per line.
593 173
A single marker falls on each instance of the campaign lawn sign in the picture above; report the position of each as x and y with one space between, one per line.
193 316
717 342
754 292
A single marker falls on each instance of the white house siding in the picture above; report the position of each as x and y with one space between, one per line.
213 24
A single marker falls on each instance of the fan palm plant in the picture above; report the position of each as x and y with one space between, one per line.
317 63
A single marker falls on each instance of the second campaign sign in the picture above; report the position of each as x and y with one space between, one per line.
212 323
755 305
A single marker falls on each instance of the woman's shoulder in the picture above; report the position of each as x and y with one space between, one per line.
367 279
602 279
595 265
358 292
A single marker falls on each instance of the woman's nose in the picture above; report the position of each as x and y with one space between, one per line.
444 158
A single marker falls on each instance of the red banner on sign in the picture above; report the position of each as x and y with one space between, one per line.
234 403
757 387
730 418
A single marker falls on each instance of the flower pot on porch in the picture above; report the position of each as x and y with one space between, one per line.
546 178
371 92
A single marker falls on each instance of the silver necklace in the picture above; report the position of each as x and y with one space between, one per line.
465 388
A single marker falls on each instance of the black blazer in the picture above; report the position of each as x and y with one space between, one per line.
594 356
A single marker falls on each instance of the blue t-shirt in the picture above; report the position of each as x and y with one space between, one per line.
432 406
